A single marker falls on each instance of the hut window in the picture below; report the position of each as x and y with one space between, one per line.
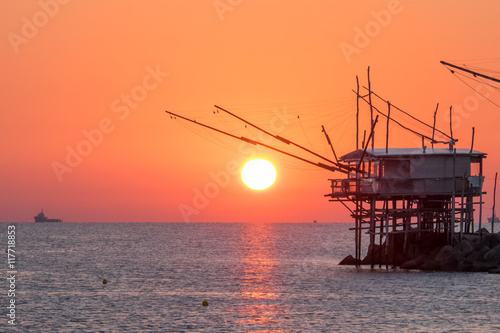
475 169
396 169
376 168
404 168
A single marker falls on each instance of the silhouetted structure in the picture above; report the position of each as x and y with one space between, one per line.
406 199
42 218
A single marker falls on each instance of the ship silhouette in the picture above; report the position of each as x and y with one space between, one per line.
42 218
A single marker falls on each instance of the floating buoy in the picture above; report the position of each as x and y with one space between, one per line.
104 281
205 303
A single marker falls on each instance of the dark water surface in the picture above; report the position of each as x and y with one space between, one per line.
255 277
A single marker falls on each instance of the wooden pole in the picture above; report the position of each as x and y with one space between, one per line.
329 142
359 220
394 228
253 142
472 143
380 239
406 113
357 113
405 228
419 219
480 198
371 105
372 231
462 208
356 227
387 242
471 72
387 130
434 125
366 146
277 137
454 183
494 199
451 125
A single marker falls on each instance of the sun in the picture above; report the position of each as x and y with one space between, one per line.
258 174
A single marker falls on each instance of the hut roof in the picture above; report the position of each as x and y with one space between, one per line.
407 152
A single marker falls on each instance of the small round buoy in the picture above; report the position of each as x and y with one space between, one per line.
104 281
205 303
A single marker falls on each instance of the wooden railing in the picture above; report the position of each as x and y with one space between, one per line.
402 186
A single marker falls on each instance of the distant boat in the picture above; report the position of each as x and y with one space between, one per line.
315 221
42 218
497 220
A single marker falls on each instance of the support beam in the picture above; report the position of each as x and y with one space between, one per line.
434 125
253 142
469 71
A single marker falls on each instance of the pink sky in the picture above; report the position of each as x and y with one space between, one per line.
85 85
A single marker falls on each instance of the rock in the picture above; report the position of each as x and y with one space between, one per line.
464 247
375 255
430 265
478 266
494 271
349 260
495 240
476 243
478 255
493 255
448 252
415 263
466 266
484 231
450 264
449 258
411 264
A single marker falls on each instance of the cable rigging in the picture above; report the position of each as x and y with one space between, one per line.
253 142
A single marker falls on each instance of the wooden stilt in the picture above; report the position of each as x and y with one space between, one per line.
452 226
462 209
494 200
481 199
357 113
388 243
372 231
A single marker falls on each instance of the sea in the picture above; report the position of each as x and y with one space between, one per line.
224 277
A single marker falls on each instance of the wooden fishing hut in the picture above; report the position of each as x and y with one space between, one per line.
407 199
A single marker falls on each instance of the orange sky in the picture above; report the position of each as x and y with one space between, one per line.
85 84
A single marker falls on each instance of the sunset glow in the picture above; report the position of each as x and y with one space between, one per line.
85 86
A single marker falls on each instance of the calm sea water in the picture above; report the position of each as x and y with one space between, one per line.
255 277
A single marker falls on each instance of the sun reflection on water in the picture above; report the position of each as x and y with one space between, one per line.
259 283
